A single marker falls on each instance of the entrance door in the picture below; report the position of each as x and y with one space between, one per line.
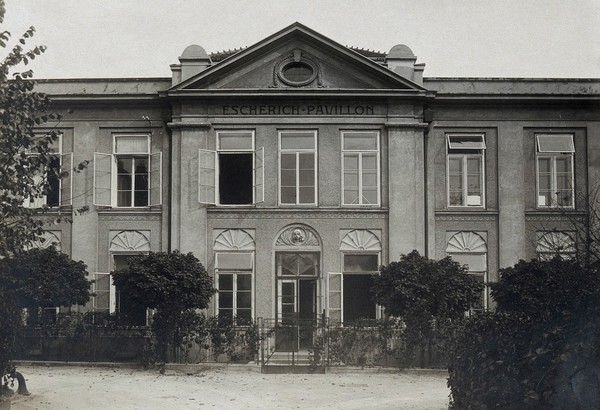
297 302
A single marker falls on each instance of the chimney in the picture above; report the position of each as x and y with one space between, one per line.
193 60
402 61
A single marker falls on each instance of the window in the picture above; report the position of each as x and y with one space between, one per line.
555 183
555 243
234 272
130 313
130 176
360 168
358 302
234 174
56 192
470 249
465 169
298 167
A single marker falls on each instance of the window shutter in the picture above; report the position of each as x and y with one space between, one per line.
103 179
206 176
156 179
334 297
259 176
66 182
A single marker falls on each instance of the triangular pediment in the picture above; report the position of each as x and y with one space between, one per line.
299 59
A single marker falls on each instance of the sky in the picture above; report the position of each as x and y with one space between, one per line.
454 38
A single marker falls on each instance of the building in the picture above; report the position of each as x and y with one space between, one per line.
293 168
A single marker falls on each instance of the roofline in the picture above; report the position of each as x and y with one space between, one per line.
515 79
101 79
310 32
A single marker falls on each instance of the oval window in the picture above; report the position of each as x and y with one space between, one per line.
297 73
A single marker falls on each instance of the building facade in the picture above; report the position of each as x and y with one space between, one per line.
295 167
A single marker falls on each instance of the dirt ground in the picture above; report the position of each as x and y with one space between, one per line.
66 387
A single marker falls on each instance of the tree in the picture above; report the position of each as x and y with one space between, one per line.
425 294
540 348
173 283
42 278
24 155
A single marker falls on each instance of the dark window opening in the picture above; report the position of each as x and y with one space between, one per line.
235 179
53 194
130 313
358 301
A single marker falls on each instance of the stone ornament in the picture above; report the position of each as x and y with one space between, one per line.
130 241
360 240
466 242
297 236
234 240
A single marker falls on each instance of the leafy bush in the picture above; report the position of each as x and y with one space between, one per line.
541 349
174 284
428 295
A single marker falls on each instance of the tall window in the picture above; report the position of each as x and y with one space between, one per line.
555 183
465 169
130 312
234 271
130 176
358 279
234 174
131 156
298 167
470 249
50 176
360 159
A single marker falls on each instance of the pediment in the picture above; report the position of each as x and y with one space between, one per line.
297 58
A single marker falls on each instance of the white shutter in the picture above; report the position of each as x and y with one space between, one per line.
66 182
259 176
104 293
207 161
156 179
103 165
334 297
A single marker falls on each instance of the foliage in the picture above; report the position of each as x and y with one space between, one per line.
213 337
426 294
21 109
540 350
172 283
42 278
9 325
544 288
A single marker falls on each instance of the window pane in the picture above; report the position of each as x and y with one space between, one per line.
225 299
369 161
288 195
306 161
563 164
288 177
244 282
307 195
456 182
474 142
244 300
360 141
288 161
53 194
234 261
455 165
474 166
351 179
235 178
297 140
351 196
456 198
350 161
475 262
131 144
307 178
225 282
544 164
226 313
555 143
123 198
369 195
358 301
361 263
235 140
369 179
544 182
244 316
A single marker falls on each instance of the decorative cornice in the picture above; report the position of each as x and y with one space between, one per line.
180 125
391 125
276 213
155 216
447 217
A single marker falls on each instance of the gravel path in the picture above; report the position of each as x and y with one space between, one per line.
117 388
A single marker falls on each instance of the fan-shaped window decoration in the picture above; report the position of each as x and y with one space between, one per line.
297 235
130 241
360 240
470 249
551 244
233 240
46 240
466 242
